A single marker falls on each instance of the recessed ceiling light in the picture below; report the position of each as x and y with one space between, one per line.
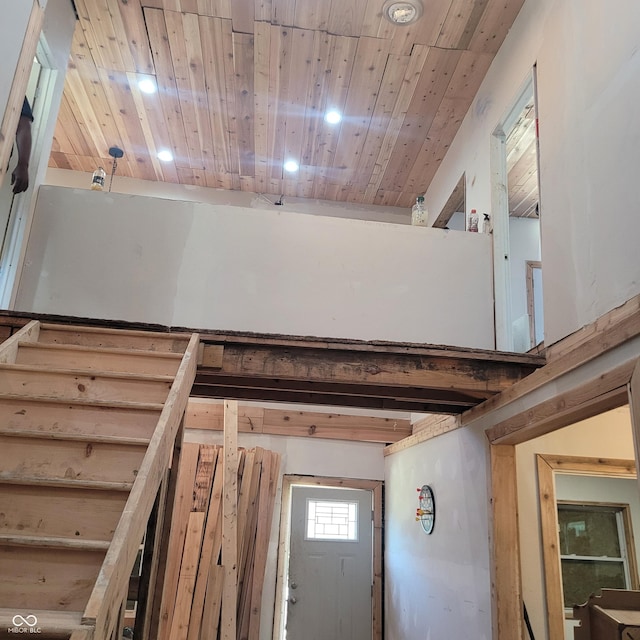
333 116
165 155
147 85
402 13
291 166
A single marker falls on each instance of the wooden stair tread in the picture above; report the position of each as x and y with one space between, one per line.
67 435
51 542
133 340
71 328
84 372
66 483
61 346
89 402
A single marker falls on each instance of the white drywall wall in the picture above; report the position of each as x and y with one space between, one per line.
605 436
438 586
300 456
588 70
207 266
190 193
15 17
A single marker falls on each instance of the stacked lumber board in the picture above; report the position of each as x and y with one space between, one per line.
193 582
79 413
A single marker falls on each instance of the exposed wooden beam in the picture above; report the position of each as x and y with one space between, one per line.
207 414
456 202
348 373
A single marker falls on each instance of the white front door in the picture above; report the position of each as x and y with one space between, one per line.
330 565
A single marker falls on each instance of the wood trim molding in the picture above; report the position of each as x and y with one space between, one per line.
377 489
531 307
547 466
427 428
506 579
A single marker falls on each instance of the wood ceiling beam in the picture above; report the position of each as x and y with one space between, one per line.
208 415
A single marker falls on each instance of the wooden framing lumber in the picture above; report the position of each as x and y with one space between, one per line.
205 413
229 522
9 348
427 428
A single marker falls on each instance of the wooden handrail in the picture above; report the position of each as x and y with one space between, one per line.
103 608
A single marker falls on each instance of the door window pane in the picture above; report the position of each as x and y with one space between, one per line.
332 520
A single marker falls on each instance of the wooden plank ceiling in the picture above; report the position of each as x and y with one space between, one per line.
244 85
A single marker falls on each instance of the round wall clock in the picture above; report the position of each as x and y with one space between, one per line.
426 512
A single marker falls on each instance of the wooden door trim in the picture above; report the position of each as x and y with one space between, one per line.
377 488
547 466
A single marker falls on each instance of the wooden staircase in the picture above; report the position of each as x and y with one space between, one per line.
88 418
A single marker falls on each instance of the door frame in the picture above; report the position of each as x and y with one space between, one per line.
548 465
377 489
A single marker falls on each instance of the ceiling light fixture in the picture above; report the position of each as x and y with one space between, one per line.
147 85
333 116
402 13
165 155
291 166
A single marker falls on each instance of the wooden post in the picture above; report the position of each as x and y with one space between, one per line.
506 580
230 522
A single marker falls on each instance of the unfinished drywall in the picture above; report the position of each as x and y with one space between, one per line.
438 586
196 265
588 71
605 436
300 456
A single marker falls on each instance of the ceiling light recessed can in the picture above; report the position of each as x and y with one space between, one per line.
333 116
291 166
165 155
402 13
147 85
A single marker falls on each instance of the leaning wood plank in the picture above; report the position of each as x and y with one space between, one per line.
9 348
188 573
247 545
102 607
204 478
212 604
210 548
268 490
229 522
178 532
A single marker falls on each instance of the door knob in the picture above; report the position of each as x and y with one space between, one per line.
293 599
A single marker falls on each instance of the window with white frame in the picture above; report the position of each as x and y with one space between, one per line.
594 551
